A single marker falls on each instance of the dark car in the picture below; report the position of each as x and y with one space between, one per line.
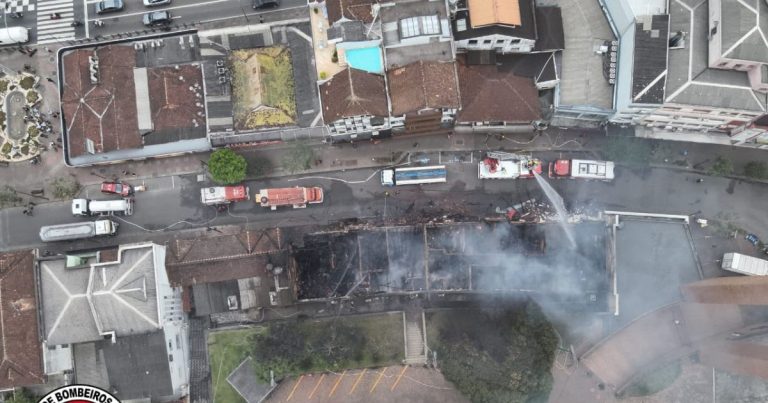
118 188
157 18
264 4
753 239
108 6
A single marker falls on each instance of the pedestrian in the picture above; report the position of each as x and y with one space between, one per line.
31 203
261 19
134 174
125 173
25 212
50 80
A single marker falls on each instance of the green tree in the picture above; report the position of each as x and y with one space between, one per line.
756 169
65 187
227 167
499 356
21 396
299 158
8 196
721 167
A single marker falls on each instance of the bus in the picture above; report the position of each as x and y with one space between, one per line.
413 176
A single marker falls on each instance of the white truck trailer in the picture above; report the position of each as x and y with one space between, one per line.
87 207
743 264
78 230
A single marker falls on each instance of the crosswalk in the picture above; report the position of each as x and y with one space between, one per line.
58 30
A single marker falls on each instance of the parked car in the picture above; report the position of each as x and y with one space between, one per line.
109 6
265 4
753 239
118 188
157 18
153 3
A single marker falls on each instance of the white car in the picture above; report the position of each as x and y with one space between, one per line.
152 3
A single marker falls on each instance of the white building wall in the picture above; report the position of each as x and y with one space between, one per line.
499 43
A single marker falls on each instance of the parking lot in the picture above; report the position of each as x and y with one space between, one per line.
373 385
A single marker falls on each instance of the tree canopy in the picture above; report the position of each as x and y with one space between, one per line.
227 167
501 355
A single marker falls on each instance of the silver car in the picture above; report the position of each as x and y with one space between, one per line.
152 3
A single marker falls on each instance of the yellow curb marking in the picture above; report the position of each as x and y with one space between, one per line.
295 387
378 379
336 385
394 385
317 385
357 381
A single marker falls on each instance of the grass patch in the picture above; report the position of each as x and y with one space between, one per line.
33 131
296 347
27 82
3 85
6 148
263 87
226 351
655 381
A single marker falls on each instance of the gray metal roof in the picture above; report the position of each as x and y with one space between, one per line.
650 59
744 26
81 305
138 366
690 81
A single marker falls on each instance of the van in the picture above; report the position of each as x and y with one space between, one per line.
12 35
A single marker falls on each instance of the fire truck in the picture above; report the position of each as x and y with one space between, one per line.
502 165
219 195
582 169
298 197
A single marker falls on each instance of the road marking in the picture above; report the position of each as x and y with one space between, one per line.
400 376
357 381
336 385
317 385
60 29
205 3
378 379
294 387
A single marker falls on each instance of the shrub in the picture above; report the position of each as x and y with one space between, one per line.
32 97
721 167
756 169
323 75
6 148
227 167
65 187
8 196
335 56
3 85
27 82
33 131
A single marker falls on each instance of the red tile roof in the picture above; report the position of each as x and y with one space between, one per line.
423 85
489 94
359 10
21 346
104 113
353 92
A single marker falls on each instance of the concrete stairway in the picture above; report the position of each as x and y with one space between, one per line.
415 350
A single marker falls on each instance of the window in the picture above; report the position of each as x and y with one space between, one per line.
487 42
500 41
514 41
473 41
737 66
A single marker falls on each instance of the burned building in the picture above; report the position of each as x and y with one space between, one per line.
455 258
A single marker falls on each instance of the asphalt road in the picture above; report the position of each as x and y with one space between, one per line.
172 203
230 12
36 15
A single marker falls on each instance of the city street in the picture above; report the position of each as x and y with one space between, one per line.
37 16
172 203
